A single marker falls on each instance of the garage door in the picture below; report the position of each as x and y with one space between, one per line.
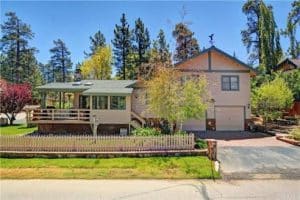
229 118
194 125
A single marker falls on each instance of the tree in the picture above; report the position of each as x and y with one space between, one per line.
293 22
260 36
292 79
13 98
160 50
60 61
122 48
170 99
14 45
271 98
186 45
142 42
97 41
98 66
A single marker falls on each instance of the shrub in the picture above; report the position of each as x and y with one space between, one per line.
201 144
295 133
179 132
147 131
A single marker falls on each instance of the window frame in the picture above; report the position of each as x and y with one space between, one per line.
230 83
118 108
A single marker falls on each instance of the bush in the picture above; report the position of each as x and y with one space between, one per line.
201 144
295 133
146 132
179 132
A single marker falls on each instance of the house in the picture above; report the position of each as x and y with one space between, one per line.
288 65
115 106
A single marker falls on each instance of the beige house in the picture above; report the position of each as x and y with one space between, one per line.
116 106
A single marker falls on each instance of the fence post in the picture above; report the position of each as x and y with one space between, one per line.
212 149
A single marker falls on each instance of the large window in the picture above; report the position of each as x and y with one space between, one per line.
84 102
230 83
100 102
118 103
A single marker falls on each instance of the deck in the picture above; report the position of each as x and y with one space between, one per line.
60 116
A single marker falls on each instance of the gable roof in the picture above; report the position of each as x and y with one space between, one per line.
213 48
92 87
294 62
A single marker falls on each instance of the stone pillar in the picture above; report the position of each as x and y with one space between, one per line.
212 149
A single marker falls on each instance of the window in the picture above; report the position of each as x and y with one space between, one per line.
230 83
118 103
100 102
84 102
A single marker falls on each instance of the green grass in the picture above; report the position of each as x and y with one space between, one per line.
16 129
195 167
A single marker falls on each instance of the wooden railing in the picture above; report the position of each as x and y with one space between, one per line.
96 144
139 118
59 114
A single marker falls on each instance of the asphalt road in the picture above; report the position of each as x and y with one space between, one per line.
149 189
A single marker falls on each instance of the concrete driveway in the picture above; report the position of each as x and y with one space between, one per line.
245 155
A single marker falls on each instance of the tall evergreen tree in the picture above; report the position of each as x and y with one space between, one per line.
161 47
122 48
96 41
60 61
293 22
20 62
186 45
142 42
260 37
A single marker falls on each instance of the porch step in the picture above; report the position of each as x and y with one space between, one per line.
135 124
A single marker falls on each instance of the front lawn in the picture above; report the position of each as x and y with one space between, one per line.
16 129
113 168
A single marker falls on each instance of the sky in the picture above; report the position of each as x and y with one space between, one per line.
75 21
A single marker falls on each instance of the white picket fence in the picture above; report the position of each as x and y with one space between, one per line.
96 144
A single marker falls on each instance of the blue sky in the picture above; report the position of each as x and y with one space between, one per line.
75 21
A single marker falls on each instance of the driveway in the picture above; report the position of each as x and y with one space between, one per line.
245 155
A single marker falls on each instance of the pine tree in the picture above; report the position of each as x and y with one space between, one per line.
122 48
186 45
60 61
96 41
142 42
20 62
161 48
293 22
260 37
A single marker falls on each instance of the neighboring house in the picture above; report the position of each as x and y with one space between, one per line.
115 106
288 64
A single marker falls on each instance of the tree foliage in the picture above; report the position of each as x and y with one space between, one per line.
96 41
271 98
141 42
122 43
98 66
261 37
13 98
169 98
293 81
60 61
186 44
293 23
160 50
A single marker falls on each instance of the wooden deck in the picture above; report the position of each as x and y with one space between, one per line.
60 116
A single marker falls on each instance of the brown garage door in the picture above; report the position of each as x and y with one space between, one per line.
229 118
194 125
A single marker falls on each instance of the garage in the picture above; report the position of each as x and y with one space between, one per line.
229 118
194 125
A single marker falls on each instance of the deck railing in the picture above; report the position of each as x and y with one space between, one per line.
96 144
60 114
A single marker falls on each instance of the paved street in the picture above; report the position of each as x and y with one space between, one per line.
149 189
245 155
